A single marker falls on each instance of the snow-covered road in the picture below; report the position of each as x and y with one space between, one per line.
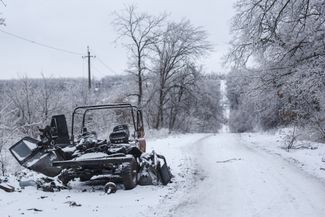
215 175
240 181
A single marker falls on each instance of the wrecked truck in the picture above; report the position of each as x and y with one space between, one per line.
121 158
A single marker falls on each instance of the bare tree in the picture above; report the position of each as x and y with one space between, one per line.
182 96
286 41
23 94
180 46
140 31
278 32
8 121
49 98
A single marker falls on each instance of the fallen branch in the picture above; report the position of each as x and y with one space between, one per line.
229 160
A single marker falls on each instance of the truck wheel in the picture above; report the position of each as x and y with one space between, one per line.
110 187
129 176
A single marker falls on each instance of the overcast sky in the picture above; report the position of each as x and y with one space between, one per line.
74 24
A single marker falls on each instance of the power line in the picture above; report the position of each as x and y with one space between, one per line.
99 72
103 70
3 3
106 66
62 50
41 44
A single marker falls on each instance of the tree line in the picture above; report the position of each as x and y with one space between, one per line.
278 60
28 104
163 59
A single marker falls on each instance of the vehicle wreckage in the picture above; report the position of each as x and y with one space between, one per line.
120 159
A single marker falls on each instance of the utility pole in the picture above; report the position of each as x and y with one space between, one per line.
89 72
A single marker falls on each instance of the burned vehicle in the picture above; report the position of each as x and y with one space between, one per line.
119 159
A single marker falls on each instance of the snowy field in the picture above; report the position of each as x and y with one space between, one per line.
222 175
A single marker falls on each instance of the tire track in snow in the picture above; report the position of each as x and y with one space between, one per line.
195 177
187 179
258 185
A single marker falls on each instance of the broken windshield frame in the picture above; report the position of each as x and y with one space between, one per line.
136 123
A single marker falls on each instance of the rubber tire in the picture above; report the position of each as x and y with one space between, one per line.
130 176
110 188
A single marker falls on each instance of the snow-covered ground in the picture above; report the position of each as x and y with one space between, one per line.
140 201
215 175
235 178
308 156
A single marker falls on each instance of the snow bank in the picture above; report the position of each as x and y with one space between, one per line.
306 155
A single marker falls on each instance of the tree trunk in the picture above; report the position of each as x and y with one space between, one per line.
140 89
160 118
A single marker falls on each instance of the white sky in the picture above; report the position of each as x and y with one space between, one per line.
74 24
